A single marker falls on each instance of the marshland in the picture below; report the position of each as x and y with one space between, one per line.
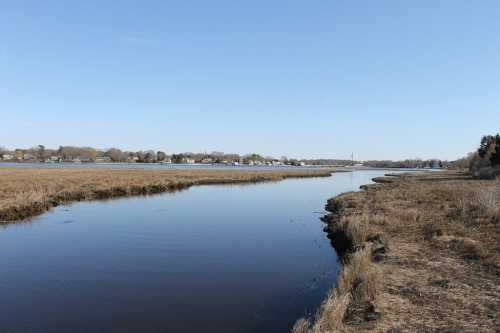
26 192
421 253
246 255
419 242
249 166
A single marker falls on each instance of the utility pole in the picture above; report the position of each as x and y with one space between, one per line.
352 159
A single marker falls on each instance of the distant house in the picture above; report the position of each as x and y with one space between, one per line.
85 159
133 159
103 159
18 154
436 164
29 157
188 160
207 160
7 157
168 160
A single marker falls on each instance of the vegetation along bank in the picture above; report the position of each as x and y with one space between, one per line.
421 254
28 192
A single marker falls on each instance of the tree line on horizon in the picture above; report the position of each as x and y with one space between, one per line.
88 154
485 161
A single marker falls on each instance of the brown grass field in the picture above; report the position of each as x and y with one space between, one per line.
421 254
28 192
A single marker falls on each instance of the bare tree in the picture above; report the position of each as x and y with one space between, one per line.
115 154
71 152
161 156
150 157
40 152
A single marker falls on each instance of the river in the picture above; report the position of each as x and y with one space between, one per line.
232 258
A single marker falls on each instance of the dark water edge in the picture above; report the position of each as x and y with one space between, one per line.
229 258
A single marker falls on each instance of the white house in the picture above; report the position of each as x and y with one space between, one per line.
104 159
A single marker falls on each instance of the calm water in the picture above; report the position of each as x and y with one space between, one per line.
247 258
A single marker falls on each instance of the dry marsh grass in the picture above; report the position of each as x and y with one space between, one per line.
350 301
27 192
421 254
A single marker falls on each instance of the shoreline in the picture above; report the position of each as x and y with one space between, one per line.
419 253
26 193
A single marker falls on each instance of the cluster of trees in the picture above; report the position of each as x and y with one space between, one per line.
328 161
490 149
487 155
485 162
85 154
89 154
148 156
409 163
70 152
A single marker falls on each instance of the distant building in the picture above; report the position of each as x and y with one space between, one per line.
18 154
133 159
29 157
7 157
104 159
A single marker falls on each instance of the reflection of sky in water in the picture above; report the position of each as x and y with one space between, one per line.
213 258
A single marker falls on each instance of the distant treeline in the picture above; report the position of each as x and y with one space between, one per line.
485 161
88 154
410 163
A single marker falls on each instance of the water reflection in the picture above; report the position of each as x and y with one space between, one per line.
212 259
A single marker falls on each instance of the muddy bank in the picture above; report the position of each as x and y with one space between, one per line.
28 192
420 254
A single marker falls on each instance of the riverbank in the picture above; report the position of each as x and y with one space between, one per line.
421 254
28 192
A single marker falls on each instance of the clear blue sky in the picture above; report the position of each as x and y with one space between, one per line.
384 79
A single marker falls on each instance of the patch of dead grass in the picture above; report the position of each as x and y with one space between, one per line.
442 272
27 192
